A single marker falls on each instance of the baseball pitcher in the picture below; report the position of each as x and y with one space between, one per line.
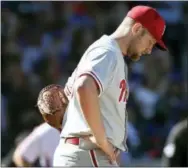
94 125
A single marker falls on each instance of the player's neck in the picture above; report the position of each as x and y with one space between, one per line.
122 40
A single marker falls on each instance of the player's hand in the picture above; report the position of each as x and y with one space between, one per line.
117 153
108 148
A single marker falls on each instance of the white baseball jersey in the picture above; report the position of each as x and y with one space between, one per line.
40 144
103 60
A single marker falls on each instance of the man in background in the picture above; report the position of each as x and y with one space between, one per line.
39 146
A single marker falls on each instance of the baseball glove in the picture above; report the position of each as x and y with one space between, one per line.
52 103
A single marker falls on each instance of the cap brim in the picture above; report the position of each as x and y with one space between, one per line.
161 45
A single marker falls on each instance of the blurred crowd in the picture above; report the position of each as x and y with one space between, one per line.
43 41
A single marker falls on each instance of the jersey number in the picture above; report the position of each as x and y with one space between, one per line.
123 91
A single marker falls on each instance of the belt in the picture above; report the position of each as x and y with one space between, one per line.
73 140
76 141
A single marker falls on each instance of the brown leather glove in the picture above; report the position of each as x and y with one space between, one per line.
52 103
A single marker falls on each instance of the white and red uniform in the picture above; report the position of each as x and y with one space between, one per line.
103 61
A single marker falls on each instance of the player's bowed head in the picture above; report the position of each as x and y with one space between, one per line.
140 31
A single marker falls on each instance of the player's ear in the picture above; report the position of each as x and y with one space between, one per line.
136 28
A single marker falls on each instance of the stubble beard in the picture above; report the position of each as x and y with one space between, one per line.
134 56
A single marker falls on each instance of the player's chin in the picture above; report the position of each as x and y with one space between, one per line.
135 57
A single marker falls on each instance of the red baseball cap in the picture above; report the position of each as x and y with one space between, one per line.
152 21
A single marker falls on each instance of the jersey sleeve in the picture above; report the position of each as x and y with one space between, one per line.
29 148
100 64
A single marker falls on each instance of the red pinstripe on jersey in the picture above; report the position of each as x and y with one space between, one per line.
93 158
